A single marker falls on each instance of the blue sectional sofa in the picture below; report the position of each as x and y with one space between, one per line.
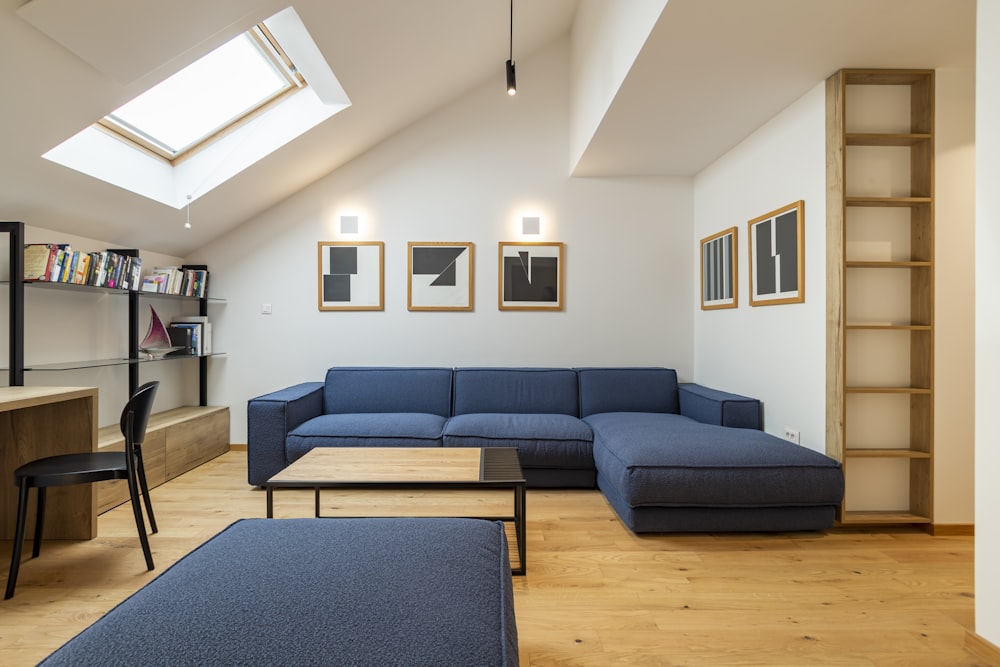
669 457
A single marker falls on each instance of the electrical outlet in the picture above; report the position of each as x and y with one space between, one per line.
792 435
265 309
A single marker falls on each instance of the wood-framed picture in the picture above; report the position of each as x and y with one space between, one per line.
531 276
777 256
351 275
718 270
439 276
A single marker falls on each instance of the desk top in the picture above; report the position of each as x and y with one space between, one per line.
17 398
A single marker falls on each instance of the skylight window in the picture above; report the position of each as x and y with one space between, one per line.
135 151
208 96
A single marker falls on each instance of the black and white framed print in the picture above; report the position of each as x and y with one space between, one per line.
351 275
777 258
718 271
531 276
439 276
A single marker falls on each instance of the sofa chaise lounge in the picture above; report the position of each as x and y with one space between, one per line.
669 457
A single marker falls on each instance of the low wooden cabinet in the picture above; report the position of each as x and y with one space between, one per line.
176 441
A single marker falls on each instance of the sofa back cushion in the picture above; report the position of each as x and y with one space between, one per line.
516 390
628 390
383 389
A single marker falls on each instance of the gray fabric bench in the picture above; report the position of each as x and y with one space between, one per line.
319 592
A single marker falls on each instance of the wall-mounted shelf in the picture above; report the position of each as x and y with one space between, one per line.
17 367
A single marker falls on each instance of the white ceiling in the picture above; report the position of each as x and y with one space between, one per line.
711 73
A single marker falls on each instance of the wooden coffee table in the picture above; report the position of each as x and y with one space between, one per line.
410 468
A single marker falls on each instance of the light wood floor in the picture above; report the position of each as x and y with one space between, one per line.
595 594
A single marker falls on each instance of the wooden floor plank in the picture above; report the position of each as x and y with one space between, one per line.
595 593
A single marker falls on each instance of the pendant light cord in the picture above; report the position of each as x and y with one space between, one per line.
512 30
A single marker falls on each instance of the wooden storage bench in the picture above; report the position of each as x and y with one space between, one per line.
176 441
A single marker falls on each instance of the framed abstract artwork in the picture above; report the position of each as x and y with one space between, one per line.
718 271
439 276
531 276
777 257
351 275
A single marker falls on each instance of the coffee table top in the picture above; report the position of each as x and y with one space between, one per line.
390 466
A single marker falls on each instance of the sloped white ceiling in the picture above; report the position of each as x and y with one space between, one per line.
397 59
126 40
711 72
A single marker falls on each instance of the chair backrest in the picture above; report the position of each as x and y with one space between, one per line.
139 407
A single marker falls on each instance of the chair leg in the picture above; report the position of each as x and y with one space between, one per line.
15 556
36 546
133 491
141 471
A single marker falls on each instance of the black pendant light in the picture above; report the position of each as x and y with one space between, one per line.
511 76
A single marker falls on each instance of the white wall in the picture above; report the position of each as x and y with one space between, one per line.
776 353
607 36
987 322
465 173
954 288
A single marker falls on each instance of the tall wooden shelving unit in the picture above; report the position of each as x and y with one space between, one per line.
880 287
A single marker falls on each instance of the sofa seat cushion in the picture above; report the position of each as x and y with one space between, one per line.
671 460
390 429
542 441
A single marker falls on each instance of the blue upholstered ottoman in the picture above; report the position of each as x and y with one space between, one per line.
319 592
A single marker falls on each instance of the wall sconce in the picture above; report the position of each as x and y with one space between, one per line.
348 224
531 225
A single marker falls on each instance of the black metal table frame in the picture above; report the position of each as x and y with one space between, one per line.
495 460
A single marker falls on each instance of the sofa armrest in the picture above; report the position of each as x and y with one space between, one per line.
711 406
269 420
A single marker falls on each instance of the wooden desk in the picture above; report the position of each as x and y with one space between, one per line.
44 421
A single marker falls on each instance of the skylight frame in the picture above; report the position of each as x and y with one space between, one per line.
273 54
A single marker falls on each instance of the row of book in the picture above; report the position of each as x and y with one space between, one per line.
193 332
113 268
187 280
59 263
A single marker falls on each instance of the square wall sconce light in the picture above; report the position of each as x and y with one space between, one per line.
348 224
531 225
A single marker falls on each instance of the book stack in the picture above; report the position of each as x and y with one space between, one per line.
186 280
59 263
192 331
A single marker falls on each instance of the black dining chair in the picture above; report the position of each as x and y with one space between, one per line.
88 468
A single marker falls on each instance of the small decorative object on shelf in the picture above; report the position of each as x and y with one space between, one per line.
156 344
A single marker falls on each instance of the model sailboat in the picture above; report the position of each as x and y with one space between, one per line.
156 344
